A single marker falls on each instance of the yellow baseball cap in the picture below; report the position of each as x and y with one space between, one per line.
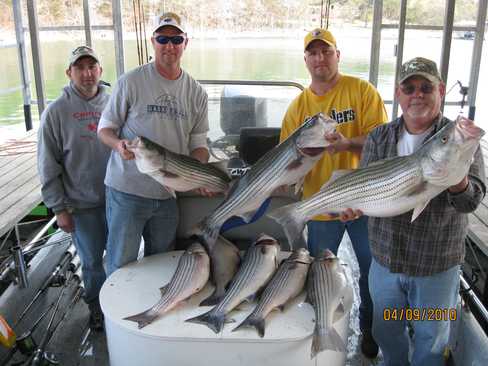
321 34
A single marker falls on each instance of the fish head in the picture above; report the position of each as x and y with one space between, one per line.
268 244
196 248
447 156
310 137
149 156
301 255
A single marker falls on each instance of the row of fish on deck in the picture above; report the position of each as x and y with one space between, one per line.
235 282
383 189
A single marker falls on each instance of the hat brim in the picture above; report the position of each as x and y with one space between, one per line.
431 78
318 39
169 25
81 56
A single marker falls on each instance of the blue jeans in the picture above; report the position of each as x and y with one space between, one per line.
396 292
328 235
129 217
90 240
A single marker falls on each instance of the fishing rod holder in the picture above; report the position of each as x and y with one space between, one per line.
20 266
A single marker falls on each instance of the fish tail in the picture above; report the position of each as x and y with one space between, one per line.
143 319
252 321
212 300
326 339
212 319
291 222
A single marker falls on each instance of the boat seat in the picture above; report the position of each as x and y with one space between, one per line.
254 142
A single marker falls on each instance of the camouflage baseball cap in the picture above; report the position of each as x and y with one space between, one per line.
419 66
82 51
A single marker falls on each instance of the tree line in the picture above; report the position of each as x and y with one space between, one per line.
241 15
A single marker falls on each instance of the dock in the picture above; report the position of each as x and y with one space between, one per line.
20 188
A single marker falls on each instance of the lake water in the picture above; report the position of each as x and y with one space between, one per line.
252 58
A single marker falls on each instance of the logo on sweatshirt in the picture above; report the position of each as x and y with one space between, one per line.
167 105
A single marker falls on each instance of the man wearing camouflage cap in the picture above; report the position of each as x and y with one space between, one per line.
162 102
72 163
416 264
358 108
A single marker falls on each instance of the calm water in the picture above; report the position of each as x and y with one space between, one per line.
252 59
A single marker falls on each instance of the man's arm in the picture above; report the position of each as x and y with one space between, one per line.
338 143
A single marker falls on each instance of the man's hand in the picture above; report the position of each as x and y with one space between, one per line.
350 214
121 148
65 221
338 142
460 187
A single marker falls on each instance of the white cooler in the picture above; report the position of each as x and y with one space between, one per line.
169 340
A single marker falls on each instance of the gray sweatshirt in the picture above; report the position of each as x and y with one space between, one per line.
71 160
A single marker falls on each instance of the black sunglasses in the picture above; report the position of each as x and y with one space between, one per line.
174 39
409 89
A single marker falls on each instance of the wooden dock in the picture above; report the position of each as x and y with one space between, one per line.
20 188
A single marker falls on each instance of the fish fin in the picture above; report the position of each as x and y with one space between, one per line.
418 210
335 175
252 321
171 191
143 319
338 313
213 299
299 185
247 216
206 234
211 319
326 339
291 222
163 289
295 164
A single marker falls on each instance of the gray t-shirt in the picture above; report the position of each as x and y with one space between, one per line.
172 113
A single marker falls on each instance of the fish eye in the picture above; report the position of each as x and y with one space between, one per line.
444 139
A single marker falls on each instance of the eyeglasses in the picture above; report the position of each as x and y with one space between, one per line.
409 89
176 40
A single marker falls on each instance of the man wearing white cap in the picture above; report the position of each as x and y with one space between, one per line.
358 108
162 102
72 163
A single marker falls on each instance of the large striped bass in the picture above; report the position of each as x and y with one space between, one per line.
286 164
176 172
259 265
393 186
224 263
286 284
331 297
191 275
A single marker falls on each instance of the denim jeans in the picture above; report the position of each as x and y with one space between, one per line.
397 292
90 240
131 217
328 235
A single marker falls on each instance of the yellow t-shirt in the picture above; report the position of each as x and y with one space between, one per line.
356 106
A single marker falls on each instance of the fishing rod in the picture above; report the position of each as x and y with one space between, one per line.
137 32
39 353
56 279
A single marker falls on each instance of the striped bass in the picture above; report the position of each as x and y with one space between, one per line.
286 284
285 164
191 275
224 263
259 265
331 298
393 186
176 172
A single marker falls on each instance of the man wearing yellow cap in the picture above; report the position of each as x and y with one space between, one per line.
358 108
